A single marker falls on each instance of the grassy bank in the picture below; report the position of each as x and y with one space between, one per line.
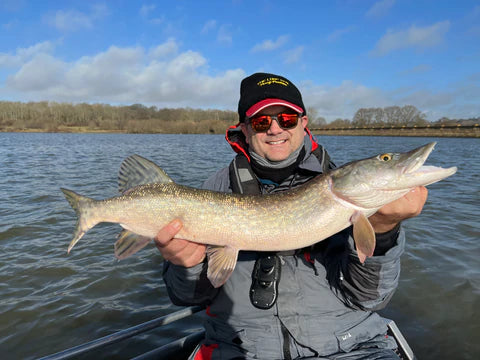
149 126
453 131
219 127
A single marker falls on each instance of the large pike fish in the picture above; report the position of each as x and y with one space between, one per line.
230 222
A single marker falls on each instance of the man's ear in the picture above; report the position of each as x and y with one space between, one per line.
304 121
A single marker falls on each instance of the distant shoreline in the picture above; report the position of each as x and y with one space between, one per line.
456 133
453 131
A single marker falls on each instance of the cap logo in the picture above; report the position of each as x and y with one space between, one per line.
273 80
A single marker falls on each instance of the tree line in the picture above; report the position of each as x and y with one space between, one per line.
138 118
407 116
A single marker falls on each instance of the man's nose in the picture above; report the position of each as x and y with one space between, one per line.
275 127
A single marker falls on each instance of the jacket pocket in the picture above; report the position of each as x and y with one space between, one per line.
232 342
368 329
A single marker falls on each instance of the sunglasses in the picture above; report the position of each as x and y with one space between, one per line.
261 123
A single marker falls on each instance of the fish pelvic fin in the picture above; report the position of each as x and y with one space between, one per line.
136 170
80 204
221 263
363 235
128 243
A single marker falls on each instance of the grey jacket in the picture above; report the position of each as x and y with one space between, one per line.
309 318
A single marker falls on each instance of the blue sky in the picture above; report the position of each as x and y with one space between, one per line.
343 55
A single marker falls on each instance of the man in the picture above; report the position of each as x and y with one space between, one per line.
313 302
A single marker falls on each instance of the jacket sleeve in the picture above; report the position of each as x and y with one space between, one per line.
374 282
190 286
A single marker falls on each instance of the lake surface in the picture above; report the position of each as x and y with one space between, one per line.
51 301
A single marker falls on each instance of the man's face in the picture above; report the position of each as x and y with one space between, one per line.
276 144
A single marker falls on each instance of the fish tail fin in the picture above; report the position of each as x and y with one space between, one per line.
81 206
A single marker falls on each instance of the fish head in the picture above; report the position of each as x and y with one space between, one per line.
379 180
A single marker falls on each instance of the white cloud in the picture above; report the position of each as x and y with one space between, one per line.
145 10
422 68
209 25
73 20
70 20
380 8
167 77
28 78
416 37
164 50
23 55
224 35
342 101
162 76
337 34
269 45
294 55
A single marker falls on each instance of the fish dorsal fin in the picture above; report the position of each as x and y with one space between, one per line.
136 170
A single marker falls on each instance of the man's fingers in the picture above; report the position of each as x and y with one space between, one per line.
417 198
183 252
178 251
191 254
408 206
166 234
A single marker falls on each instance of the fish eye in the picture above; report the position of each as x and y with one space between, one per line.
385 157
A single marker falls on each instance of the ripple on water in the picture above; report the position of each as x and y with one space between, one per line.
52 301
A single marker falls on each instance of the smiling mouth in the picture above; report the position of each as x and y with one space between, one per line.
278 142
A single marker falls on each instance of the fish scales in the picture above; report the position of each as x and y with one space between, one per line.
228 223
253 222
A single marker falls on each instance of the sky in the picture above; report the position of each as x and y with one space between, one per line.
343 55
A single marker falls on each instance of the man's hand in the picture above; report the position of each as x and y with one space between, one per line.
178 251
408 206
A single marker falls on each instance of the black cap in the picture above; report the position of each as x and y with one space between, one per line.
261 90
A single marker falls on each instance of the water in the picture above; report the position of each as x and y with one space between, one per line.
51 301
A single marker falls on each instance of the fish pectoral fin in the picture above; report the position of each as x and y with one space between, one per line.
363 235
221 263
128 243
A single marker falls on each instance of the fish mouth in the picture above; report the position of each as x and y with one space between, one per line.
417 157
422 175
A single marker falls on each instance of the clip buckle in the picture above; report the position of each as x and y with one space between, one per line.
265 278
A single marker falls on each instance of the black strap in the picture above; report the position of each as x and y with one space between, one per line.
286 342
244 181
242 178
323 158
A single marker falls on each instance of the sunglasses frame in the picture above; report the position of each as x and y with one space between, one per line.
270 121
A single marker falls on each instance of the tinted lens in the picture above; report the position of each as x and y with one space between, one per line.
287 121
262 123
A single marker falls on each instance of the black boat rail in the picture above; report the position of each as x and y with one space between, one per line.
166 350
181 348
